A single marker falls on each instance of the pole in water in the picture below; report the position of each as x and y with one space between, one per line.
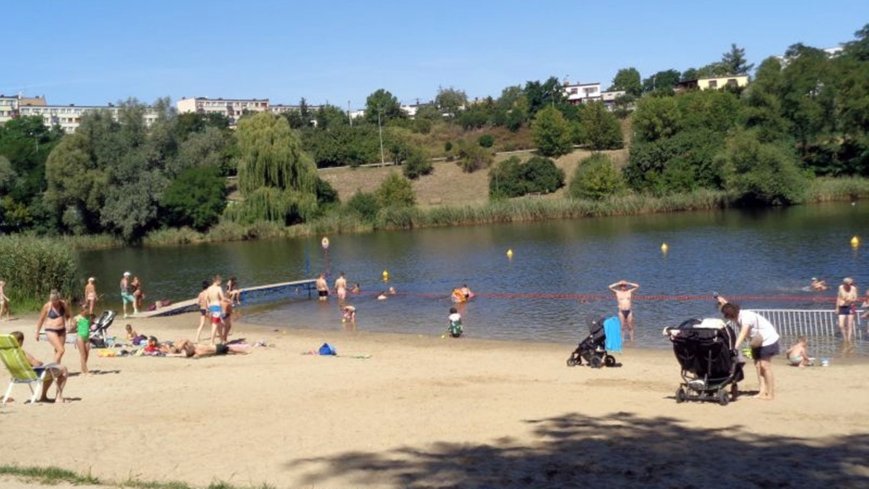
855 242
509 253
664 248
385 276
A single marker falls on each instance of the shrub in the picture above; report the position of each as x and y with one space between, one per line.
365 205
448 146
599 128
417 164
33 266
512 178
472 157
486 140
395 191
761 173
596 178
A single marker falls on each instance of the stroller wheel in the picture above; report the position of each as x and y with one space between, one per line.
722 397
595 362
681 396
571 362
609 361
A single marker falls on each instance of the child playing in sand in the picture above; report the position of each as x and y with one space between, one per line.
82 329
455 323
134 337
798 354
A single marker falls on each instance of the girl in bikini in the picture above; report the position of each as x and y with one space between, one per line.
54 316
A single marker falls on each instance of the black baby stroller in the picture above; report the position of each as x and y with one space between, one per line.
593 348
706 351
99 336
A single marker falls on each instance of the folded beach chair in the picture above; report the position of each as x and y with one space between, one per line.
22 373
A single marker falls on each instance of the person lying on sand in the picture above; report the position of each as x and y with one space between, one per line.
58 372
186 348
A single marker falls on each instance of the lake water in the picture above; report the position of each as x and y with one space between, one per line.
556 280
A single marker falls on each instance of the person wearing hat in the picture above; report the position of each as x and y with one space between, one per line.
846 300
90 297
126 296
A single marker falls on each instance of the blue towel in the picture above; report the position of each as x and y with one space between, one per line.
612 328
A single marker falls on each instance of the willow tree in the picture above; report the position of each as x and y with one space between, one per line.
276 177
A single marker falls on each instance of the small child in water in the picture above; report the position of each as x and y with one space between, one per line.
455 323
798 354
349 315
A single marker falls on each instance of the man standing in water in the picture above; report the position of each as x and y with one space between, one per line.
624 291
214 300
126 296
322 287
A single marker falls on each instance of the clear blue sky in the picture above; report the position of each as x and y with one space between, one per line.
94 52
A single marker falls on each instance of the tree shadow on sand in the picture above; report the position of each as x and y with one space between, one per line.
618 450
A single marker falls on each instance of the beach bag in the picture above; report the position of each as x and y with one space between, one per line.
327 349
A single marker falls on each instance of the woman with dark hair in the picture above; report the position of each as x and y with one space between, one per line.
764 342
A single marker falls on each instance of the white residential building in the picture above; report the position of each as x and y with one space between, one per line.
9 105
231 108
68 117
581 93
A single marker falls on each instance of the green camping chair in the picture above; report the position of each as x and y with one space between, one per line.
22 373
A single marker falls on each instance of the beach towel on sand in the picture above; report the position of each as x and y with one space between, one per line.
612 328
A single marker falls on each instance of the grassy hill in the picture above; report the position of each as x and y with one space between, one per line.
447 184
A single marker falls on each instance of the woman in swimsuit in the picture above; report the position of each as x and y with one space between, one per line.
54 316
90 295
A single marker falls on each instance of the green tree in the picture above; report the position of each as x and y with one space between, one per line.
761 173
596 178
808 98
656 118
547 94
514 178
395 191
329 116
628 79
212 147
450 101
384 104
551 132
276 177
196 198
600 129
664 81
365 205
734 61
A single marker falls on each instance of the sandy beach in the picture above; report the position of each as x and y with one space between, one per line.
408 411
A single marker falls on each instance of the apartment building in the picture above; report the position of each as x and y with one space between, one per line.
231 108
68 117
9 105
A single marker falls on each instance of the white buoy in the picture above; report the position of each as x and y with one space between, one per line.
325 243
664 248
510 253
855 242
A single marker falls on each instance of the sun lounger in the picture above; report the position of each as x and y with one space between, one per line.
22 373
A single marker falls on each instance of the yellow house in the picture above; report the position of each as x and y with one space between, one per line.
714 83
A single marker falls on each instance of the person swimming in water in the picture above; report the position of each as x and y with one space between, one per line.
818 285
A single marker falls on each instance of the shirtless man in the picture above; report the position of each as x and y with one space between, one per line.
818 285
846 298
214 301
322 287
57 372
126 296
202 302
341 287
90 297
623 291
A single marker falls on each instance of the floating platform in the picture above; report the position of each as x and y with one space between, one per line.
252 295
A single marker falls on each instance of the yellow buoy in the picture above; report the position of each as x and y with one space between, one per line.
855 241
385 275
509 253
664 248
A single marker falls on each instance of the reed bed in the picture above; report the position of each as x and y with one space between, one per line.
33 266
